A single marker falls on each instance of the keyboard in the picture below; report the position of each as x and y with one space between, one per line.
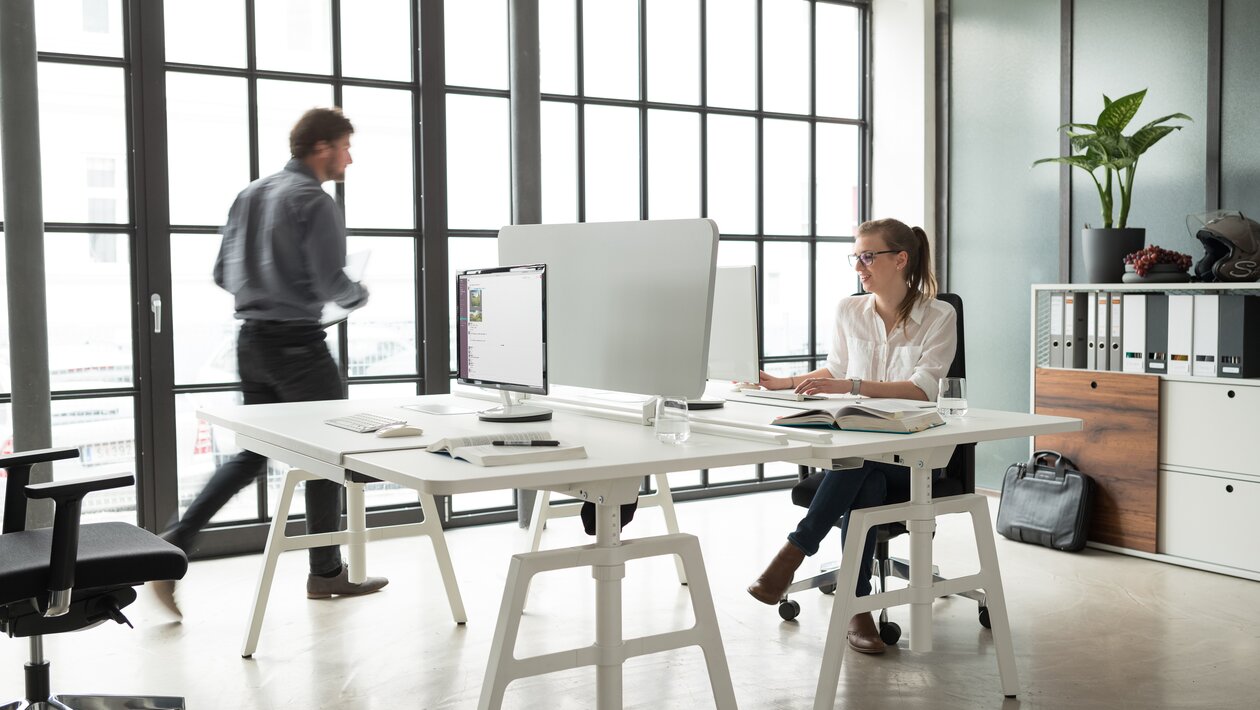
783 394
363 423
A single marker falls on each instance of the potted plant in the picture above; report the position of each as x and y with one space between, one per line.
1102 146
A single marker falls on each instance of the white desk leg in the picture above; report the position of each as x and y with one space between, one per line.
921 592
608 638
841 612
432 527
275 545
356 526
995 598
538 522
666 497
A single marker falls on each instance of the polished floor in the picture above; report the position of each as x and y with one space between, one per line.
1091 630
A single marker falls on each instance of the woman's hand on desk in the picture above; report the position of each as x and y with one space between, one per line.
771 382
823 385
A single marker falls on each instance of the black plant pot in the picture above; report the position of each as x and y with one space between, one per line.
1105 250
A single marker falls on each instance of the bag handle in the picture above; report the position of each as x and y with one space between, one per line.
1060 462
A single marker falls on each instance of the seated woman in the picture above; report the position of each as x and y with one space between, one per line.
896 340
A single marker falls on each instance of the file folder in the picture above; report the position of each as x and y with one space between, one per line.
1075 313
1091 333
1180 333
1102 358
1157 333
1238 343
1206 323
1056 329
1134 339
1115 339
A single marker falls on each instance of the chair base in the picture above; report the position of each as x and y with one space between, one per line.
100 702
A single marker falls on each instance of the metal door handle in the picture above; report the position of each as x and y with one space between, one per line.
155 307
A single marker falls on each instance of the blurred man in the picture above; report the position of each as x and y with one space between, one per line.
283 251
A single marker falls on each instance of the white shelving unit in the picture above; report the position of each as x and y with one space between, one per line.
1209 467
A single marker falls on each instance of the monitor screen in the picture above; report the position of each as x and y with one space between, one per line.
501 333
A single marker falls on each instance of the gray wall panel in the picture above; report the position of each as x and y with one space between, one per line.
1122 46
1003 213
1240 109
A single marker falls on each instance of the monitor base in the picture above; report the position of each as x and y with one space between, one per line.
515 413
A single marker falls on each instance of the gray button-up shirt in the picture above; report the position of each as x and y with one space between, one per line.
284 247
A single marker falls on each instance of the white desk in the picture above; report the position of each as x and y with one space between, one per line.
620 454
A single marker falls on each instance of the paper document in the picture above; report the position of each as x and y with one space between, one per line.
356 266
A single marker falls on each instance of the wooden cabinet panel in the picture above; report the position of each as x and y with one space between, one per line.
1119 447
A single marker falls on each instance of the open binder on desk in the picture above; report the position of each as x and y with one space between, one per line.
482 451
890 416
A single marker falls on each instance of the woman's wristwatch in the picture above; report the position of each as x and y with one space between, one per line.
855 387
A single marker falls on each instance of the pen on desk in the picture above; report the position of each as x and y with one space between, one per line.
535 442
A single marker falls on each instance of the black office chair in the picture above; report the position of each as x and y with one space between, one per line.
71 576
959 477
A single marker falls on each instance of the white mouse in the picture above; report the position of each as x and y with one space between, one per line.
399 430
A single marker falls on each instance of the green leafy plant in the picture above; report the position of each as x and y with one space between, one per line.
1102 145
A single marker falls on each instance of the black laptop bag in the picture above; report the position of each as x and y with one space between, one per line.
1046 501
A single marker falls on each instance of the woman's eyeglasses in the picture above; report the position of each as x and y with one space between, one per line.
868 257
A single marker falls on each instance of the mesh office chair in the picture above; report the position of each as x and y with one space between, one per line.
959 478
71 576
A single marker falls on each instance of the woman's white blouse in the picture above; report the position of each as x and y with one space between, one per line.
920 350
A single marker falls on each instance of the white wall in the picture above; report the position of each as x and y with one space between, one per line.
903 129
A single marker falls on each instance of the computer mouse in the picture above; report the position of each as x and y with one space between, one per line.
398 430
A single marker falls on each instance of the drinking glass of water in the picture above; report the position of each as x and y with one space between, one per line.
672 421
951 400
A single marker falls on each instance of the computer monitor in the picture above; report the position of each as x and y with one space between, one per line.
501 336
733 351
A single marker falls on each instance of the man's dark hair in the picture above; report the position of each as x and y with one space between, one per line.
318 124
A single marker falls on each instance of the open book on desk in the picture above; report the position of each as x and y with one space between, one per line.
893 416
479 449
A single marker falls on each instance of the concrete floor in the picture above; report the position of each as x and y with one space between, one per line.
1091 630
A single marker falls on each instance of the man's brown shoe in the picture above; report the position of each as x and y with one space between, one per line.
863 636
318 587
773 583
164 590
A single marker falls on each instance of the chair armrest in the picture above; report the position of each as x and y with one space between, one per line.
68 497
19 468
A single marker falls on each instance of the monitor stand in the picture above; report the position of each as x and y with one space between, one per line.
513 411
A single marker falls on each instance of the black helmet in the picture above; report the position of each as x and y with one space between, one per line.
1231 245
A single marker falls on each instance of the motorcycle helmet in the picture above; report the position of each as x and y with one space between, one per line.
1231 249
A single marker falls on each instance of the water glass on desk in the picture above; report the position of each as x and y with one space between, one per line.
672 420
951 398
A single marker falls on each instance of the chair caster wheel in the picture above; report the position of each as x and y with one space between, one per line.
789 609
984 617
827 589
890 632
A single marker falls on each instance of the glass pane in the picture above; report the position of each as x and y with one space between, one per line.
380 191
559 163
732 174
733 253
387 390
785 55
463 253
732 62
478 179
201 441
280 105
673 51
839 194
838 60
294 35
89 311
787 369
202 108
6 431
104 431
610 43
83 143
199 32
79 27
201 314
785 287
673 165
383 333
732 474
477 44
834 280
782 469
612 164
557 46
376 39
786 177
488 500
